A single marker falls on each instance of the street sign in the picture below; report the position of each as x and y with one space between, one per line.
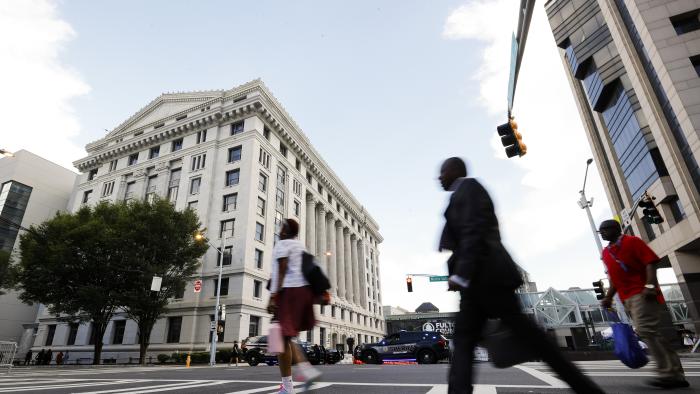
213 325
197 285
442 278
155 283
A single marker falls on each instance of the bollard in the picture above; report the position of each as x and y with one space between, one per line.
187 363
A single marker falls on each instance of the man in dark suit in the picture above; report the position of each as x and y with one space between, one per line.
486 276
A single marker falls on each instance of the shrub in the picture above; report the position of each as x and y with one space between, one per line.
162 358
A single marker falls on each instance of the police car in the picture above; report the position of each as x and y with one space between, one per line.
425 347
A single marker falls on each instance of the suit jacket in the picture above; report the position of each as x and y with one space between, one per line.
471 233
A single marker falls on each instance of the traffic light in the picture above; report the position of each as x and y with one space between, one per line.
409 284
651 214
222 312
511 139
599 289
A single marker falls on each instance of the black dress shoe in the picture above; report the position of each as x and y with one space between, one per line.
667 383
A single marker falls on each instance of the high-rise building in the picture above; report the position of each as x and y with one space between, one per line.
634 69
32 189
238 159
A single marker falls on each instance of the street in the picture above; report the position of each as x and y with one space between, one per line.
527 378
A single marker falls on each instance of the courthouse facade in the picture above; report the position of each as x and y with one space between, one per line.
634 70
240 161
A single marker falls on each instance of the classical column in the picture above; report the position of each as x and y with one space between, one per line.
332 248
355 269
340 254
310 223
349 290
363 273
321 237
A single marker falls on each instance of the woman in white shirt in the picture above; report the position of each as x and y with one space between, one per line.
291 302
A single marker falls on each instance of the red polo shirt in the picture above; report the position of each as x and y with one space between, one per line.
635 255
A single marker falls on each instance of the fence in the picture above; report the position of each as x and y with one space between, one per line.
7 354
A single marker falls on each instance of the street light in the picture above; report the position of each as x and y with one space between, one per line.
6 153
214 330
586 204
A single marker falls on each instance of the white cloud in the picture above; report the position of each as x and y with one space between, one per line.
541 218
36 86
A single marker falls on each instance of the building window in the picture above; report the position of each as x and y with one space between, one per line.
264 158
154 152
258 258
232 177
198 162
192 205
695 60
254 326
201 136
92 174
129 192
176 145
686 22
226 228
151 188
279 197
118 332
112 165
342 314
266 133
261 207
322 335
174 185
309 178
296 187
320 189
174 328
72 333
262 182
332 311
259 232
86 196
230 202
50 334
297 164
234 154
224 286
257 289
283 149
310 336
195 183
133 159
236 128
297 208
107 188
228 250
676 209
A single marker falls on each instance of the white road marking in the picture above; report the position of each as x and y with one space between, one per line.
440 389
545 377
178 387
64 386
483 389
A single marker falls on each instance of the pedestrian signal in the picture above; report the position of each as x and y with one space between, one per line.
651 214
599 289
409 284
511 139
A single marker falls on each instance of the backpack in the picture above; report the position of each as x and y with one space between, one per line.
314 274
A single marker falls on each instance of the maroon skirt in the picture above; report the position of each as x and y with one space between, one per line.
295 310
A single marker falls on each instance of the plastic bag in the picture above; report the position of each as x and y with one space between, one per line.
627 347
275 342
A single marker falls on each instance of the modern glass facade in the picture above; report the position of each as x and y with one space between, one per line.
14 198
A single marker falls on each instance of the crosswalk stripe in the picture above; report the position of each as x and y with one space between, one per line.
64 386
547 378
178 387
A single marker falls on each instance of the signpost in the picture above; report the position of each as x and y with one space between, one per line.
438 278
197 285
156 283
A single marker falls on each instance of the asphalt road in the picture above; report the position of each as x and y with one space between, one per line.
341 379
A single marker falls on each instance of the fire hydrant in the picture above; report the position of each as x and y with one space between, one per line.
187 363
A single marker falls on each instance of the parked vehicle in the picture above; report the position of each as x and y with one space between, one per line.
425 347
314 353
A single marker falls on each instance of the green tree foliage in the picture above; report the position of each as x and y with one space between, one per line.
5 279
159 242
91 264
73 263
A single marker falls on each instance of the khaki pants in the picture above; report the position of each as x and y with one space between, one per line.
645 315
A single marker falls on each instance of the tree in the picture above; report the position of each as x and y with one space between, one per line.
5 279
72 263
159 241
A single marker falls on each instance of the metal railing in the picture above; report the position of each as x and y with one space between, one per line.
7 354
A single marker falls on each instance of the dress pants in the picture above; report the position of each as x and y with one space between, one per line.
474 309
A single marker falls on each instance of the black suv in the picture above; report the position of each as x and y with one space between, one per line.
425 347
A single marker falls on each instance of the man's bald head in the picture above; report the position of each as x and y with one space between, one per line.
450 170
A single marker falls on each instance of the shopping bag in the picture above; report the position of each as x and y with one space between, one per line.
627 347
275 342
504 349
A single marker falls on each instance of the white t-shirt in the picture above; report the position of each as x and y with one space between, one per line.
292 250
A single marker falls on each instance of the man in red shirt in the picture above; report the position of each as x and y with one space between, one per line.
631 267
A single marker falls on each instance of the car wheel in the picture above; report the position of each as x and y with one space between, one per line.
426 357
253 360
371 357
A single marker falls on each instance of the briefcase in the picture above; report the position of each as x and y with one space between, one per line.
504 349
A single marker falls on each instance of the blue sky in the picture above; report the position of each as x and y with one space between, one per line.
384 90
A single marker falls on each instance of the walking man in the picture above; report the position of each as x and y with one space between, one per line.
28 357
631 267
486 276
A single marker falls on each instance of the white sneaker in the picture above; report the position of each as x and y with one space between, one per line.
308 375
285 391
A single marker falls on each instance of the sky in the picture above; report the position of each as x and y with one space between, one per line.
385 90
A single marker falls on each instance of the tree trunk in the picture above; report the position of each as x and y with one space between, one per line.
100 329
97 354
145 329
